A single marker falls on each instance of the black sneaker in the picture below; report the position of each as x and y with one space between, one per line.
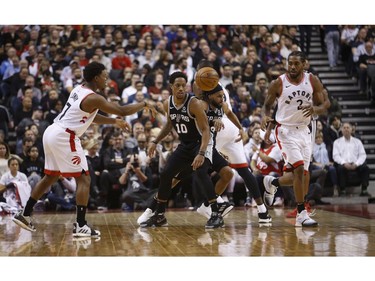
215 221
156 220
224 208
24 221
264 217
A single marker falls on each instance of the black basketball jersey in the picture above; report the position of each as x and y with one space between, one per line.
184 124
213 114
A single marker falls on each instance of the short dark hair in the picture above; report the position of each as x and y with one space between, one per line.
335 116
298 54
175 75
26 139
31 147
92 70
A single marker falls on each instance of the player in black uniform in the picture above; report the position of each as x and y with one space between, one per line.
187 116
213 102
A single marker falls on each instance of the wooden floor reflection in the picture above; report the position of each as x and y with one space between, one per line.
340 233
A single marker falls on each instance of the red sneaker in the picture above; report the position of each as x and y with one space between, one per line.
292 214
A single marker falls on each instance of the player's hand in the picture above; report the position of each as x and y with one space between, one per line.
242 135
218 125
265 121
151 107
122 124
159 107
307 110
151 149
198 161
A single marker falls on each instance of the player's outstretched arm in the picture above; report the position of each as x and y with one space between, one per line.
93 102
118 122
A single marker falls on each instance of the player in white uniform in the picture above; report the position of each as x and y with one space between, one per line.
272 183
62 146
229 143
299 96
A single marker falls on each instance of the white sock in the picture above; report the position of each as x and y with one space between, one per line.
219 199
261 208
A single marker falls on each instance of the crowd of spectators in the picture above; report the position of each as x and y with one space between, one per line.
41 64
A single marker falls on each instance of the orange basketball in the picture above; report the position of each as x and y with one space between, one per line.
207 78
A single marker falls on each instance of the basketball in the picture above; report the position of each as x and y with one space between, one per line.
207 78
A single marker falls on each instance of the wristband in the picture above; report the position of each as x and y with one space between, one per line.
201 152
154 141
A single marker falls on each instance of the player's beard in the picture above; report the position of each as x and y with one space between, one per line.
216 105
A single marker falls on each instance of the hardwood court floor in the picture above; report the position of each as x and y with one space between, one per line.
344 230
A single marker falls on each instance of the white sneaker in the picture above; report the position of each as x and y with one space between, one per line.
279 202
224 208
102 208
84 231
147 214
303 219
270 190
204 211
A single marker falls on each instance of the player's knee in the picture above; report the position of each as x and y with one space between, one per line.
226 173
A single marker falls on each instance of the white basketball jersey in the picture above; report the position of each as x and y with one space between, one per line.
72 117
226 99
292 97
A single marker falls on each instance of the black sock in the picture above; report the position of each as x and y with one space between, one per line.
275 182
300 207
29 207
154 203
81 215
160 208
214 207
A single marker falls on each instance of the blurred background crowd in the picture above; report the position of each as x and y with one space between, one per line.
41 64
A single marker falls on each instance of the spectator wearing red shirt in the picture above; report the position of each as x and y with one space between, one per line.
121 60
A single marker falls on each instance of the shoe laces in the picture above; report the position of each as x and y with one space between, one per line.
311 212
